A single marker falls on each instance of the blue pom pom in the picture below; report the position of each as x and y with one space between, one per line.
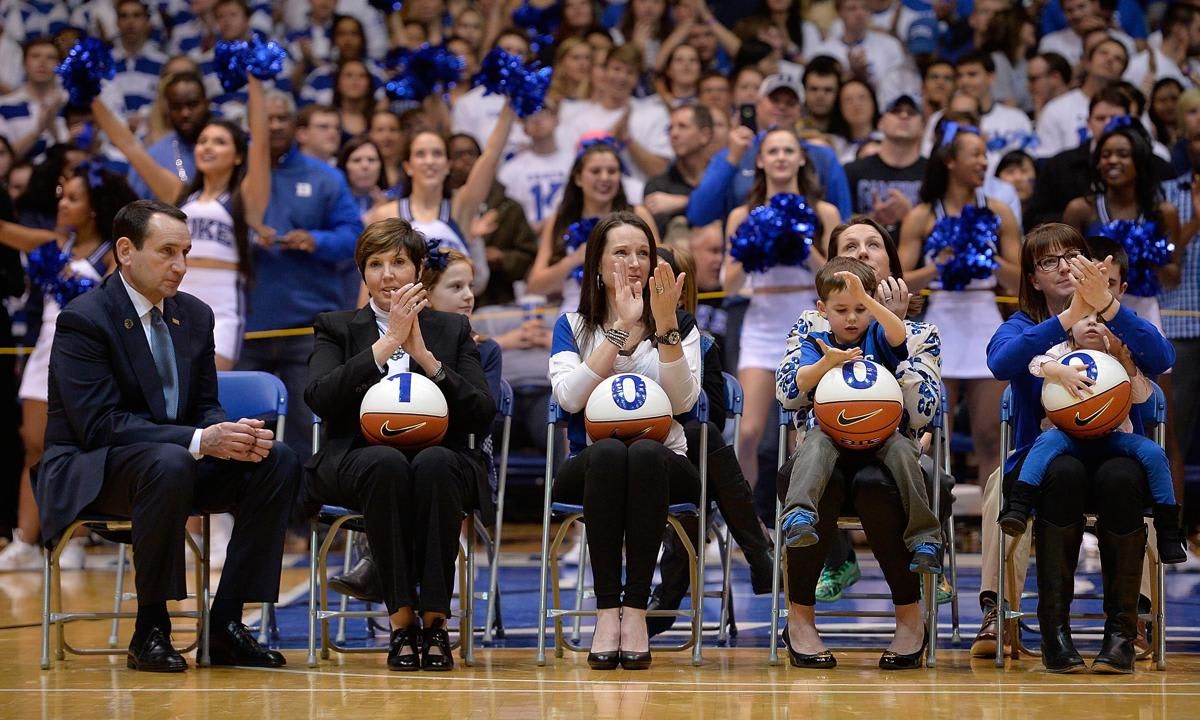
229 61
502 73
84 71
1148 249
973 237
498 72
778 233
264 58
48 271
540 22
423 71
577 234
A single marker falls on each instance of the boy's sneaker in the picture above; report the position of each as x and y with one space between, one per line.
19 555
799 529
834 582
925 559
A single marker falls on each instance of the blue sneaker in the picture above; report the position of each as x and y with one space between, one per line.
798 528
925 559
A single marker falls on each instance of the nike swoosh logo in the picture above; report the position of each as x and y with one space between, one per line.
387 431
629 438
854 420
1084 421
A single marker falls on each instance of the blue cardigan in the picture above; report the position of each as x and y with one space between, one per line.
1019 340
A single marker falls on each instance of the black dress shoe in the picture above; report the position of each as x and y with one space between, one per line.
631 660
232 644
402 651
912 661
762 570
607 660
153 652
436 636
658 624
823 660
362 582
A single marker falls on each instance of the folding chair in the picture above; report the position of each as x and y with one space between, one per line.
569 514
727 626
493 626
1154 418
340 518
779 610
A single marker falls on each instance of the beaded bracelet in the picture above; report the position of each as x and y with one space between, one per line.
617 337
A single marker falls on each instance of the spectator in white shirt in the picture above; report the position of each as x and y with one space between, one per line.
1177 55
1005 128
1083 16
1062 123
1049 75
475 113
864 53
536 175
640 125
29 116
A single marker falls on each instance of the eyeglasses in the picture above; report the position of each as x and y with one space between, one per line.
1049 263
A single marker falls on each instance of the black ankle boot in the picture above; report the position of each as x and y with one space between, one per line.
736 502
1057 555
1021 501
1121 568
1169 535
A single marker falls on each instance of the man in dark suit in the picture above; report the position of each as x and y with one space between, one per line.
135 430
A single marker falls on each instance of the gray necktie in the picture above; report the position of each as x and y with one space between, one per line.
163 350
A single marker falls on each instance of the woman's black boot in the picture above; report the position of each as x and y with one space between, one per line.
1057 555
1121 567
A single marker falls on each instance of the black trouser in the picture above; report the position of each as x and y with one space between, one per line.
159 485
727 487
861 487
413 510
1115 489
625 493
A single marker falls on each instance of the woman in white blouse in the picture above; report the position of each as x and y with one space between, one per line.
627 323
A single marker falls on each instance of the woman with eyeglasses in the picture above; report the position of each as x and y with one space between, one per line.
963 245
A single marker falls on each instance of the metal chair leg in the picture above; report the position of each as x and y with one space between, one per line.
580 583
345 601
543 580
313 542
494 573
46 589
118 597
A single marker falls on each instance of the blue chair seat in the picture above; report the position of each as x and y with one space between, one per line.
678 510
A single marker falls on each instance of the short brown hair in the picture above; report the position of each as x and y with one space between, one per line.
828 282
628 54
391 235
305 116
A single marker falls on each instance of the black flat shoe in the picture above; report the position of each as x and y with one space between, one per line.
635 660
153 652
404 639
823 660
436 636
607 660
233 644
912 661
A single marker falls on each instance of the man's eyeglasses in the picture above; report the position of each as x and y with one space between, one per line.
1049 263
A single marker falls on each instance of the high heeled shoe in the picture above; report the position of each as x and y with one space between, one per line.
911 661
607 660
404 639
436 636
631 660
823 660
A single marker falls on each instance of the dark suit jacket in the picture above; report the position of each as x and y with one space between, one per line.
1066 176
105 392
342 368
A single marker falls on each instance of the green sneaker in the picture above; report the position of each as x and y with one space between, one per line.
944 592
833 583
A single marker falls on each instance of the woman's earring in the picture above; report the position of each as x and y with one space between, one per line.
600 281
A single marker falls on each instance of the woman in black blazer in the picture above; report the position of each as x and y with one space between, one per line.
412 502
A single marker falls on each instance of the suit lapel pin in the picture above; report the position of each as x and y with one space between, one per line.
174 321
128 324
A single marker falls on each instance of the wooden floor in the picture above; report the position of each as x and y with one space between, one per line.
732 683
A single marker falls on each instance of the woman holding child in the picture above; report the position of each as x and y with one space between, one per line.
1059 287
865 262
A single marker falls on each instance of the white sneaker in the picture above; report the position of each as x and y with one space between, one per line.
1089 554
220 530
20 555
74 555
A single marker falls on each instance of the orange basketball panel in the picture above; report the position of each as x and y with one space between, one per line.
1097 415
629 430
404 430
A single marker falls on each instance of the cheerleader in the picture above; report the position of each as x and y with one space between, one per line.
1127 207
223 202
780 292
969 243
593 190
63 264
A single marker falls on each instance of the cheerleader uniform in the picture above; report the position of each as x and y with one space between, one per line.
35 379
968 317
780 295
210 223
443 230
1146 306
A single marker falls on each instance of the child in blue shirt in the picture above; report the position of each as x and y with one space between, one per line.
860 328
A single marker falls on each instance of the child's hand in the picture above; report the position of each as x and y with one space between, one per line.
854 285
1113 346
1073 377
837 356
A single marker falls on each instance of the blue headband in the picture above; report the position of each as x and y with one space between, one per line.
951 129
1118 122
